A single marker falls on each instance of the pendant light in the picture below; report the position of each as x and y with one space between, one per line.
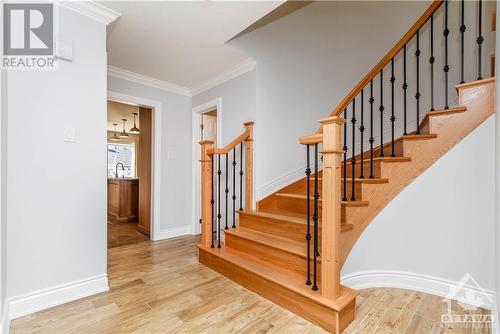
115 137
123 134
135 129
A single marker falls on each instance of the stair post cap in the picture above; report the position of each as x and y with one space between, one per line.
249 123
332 119
206 142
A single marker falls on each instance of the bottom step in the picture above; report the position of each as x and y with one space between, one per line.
282 287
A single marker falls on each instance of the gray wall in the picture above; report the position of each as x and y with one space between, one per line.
175 175
56 204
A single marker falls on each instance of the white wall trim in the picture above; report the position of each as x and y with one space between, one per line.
46 298
280 182
156 177
120 73
195 148
92 9
411 281
5 321
242 68
173 232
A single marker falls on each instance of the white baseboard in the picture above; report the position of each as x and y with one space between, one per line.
411 281
280 182
173 232
5 320
47 298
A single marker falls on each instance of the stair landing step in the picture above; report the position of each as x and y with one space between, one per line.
344 203
284 244
282 277
284 217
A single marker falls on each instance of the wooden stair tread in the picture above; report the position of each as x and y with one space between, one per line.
281 276
375 180
344 203
422 136
287 217
442 112
284 244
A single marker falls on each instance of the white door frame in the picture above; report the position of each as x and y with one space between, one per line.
156 148
195 186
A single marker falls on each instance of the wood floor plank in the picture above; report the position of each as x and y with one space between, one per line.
160 288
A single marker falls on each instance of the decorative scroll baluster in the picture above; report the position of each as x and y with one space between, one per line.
417 95
219 216
353 155
431 61
446 67
212 202
462 42
381 109
362 130
405 87
393 118
315 218
234 188
308 209
371 140
479 41
241 176
226 190
344 197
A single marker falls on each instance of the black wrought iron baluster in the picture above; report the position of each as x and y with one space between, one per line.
371 140
353 155
431 61
344 197
381 109
446 67
462 42
308 210
405 87
212 202
219 216
362 130
417 95
393 118
315 219
226 190
479 41
241 176
234 188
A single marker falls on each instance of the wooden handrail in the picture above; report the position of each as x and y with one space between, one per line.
242 137
385 60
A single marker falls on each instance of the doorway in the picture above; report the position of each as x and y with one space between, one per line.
206 126
129 170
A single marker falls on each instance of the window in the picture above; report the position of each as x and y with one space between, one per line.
124 153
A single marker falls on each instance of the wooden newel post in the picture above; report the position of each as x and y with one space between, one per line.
331 209
249 166
206 192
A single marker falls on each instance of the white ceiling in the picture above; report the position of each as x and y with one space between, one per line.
180 42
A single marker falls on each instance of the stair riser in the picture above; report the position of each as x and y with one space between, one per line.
300 188
331 320
279 228
272 255
377 169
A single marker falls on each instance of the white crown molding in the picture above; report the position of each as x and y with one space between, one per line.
46 298
242 68
120 73
416 282
91 9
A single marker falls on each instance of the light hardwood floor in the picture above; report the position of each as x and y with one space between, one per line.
159 287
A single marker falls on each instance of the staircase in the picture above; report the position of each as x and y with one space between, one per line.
284 243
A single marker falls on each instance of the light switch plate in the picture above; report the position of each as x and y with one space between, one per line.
69 134
64 50
171 155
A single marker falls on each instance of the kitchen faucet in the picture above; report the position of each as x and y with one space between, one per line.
116 169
